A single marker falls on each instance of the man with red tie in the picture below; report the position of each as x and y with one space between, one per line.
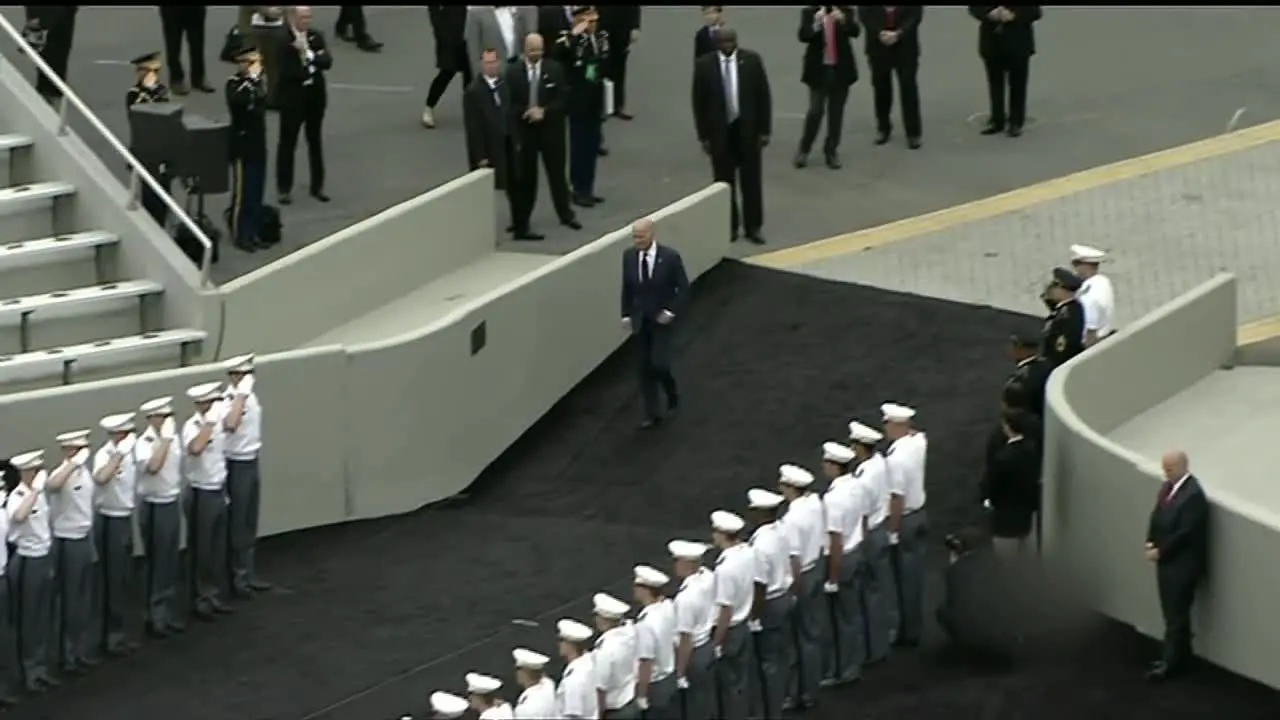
893 48
829 71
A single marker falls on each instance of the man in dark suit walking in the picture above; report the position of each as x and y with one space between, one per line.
51 29
448 28
827 31
706 39
1006 42
893 48
488 127
654 288
1178 544
733 114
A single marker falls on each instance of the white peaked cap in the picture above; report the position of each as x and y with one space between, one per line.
528 659
795 476
120 422
205 392
836 453
447 705
726 522
609 607
28 460
478 684
159 406
573 631
863 434
241 364
1086 254
650 577
893 412
75 438
760 499
686 549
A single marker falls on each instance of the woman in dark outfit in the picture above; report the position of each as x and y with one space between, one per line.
1011 487
448 25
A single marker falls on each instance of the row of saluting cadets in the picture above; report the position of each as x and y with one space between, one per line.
824 585
69 522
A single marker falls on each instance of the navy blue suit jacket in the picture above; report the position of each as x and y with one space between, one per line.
666 289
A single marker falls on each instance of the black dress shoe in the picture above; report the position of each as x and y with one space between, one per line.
527 236
603 151
242 592
510 228
621 115
583 201
597 199
203 87
882 137
261 585
755 238
49 681
1014 131
650 423
572 224
158 632
319 195
9 700
344 34
176 627
992 128
285 198
369 45
221 608
246 246
800 161
833 161
913 143
71 669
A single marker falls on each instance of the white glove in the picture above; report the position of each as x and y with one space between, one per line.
718 651
986 504
682 683
755 626
38 483
168 429
830 588
81 457
245 386
126 445
893 538
642 703
626 324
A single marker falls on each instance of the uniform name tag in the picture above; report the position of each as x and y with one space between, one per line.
591 72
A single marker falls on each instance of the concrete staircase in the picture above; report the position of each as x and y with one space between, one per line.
66 315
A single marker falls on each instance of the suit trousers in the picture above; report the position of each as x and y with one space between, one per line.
302 114
826 98
806 631
244 488
56 53
176 22
585 138
1011 71
546 142
1177 594
351 17
738 163
115 549
883 71
151 201
161 525
249 179
653 345
75 570
618 73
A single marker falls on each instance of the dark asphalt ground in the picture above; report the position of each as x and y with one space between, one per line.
1107 84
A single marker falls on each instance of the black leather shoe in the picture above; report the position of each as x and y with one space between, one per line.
203 87
603 151
261 585
158 632
583 201
319 195
833 162
1014 131
527 236
800 161
755 238
49 681
913 143
222 608
882 137
285 198
510 228
9 700
344 34
650 423
992 128
246 246
621 115
597 199
176 627
369 45
572 224
242 592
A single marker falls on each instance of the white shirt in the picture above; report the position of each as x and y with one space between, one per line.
735 575
118 496
695 606
906 462
773 559
71 506
537 702
647 259
729 76
656 638
1098 297
33 536
576 694
246 442
208 470
506 18
872 476
4 548
844 511
166 485
615 666
501 711
806 525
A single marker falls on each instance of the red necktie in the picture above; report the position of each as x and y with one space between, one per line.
889 12
1166 492
829 36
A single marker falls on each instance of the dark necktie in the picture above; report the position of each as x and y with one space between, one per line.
646 268
1166 492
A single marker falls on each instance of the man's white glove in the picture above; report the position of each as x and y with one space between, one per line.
38 483
754 626
81 457
168 429
986 504
830 588
642 703
245 386
893 538
682 683
717 650
626 324
126 445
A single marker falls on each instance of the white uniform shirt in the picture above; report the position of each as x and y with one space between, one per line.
1098 297
735 576
166 485
119 495
906 462
4 548
537 702
71 506
845 508
806 525
615 665
33 536
208 470
246 442
501 711
656 638
695 611
773 559
872 476
576 694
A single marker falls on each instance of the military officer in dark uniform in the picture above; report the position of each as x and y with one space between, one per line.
1064 328
149 89
1030 375
247 104
586 58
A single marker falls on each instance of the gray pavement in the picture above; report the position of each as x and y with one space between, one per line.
1107 84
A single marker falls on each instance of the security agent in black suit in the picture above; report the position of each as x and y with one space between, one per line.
50 29
177 21
1030 373
827 31
488 127
707 39
149 89
537 87
1178 544
1011 484
654 288
1006 42
893 48
1064 328
303 97
733 114
622 23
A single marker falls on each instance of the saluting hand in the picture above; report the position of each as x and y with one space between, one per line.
300 42
580 28
818 16
635 36
838 15
996 14
150 79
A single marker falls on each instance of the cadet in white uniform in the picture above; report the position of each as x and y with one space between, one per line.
538 699
69 490
735 576
204 467
806 527
908 522
695 619
446 706
158 455
482 690
31 569
115 470
872 479
1096 293
772 605
576 693
243 425
615 659
9 679
846 649
655 646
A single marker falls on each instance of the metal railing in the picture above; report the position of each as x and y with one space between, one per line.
138 174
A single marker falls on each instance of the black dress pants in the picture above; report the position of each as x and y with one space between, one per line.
548 144
883 72
303 114
444 76
178 21
1177 594
1010 71
737 162
351 17
653 345
56 53
618 70
827 99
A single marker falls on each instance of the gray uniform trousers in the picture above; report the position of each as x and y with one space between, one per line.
630 711
877 586
806 636
207 546
772 646
161 525
115 556
699 701
32 590
9 679
244 490
909 563
732 667
845 648
662 700
75 573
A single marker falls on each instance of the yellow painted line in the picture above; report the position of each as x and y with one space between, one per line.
1258 331
1020 199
